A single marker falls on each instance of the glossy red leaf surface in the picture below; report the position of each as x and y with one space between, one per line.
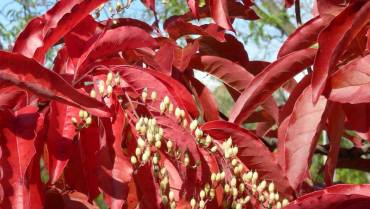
333 40
299 136
350 83
194 7
43 32
270 79
252 152
220 13
335 130
30 75
339 196
18 149
304 36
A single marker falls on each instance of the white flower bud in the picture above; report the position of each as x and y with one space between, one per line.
173 205
192 203
186 160
163 171
218 176
145 156
271 197
93 93
166 100
241 187
155 160
226 189
85 114
101 87
81 114
109 89
278 205
261 186
209 139
170 108
74 120
213 177
233 182
271 187
222 175
162 108
238 206
246 199
235 150
214 149
247 177
133 160
109 78
229 142
88 120
158 144
212 193
254 177
234 162
285 202
261 198
117 79
198 133
182 113
277 196
171 195
193 125
140 142
137 151
169 145
153 96
177 112
184 123
202 204
235 192
202 194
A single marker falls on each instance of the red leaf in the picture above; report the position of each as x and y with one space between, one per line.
335 131
220 13
270 79
305 35
76 200
333 41
18 149
148 189
184 55
112 179
150 4
61 133
30 75
289 3
43 32
12 97
252 152
81 171
179 92
287 109
331 7
111 42
194 7
210 46
178 27
351 82
342 196
206 99
299 136
233 75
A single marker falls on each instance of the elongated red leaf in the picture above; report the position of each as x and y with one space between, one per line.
342 196
333 41
331 7
335 130
184 55
30 75
194 7
351 82
220 13
43 32
304 36
165 58
111 42
61 132
231 49
252 152
269 80
17 145
113 179
299 137
233 75
178 27
12 97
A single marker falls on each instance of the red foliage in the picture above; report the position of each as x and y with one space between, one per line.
118 113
